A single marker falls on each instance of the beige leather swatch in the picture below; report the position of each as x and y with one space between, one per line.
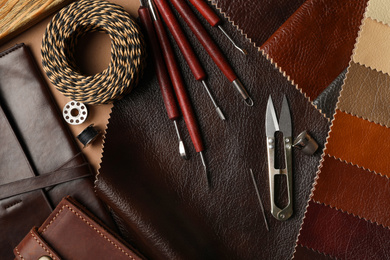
379 10
366 93
373 46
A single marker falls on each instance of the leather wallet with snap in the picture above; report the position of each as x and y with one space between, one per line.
72 232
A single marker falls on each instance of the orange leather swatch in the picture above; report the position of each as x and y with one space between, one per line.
360 142
344 186
366 93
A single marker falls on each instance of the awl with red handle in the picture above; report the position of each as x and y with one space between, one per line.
214 20
178 83
185 48
162 74
209 45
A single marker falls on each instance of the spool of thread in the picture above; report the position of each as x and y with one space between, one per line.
88 135
127 51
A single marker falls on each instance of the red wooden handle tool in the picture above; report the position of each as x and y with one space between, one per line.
204 38
177 82
206 12
162 74
185 48
181 40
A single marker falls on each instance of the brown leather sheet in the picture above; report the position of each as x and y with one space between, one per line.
356 141
342 235
344 186
315 44
167 208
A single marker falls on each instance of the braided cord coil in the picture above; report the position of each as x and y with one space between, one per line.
127 51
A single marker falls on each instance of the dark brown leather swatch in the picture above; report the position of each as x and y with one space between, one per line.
258 19
304 253
344 186
341 235
168 209
315 44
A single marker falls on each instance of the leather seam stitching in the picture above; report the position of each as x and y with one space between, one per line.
90 225
43 247
17 251
13 204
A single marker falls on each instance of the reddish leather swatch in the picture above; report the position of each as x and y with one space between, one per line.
315 44
304 253
344 186
342 235
359 142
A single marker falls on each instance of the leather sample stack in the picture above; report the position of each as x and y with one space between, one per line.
348 215
166 207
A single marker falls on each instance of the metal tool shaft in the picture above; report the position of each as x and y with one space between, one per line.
260 201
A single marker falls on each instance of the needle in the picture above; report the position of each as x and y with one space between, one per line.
162 74
260 202
214 20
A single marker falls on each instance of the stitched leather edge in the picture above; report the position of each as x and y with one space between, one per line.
8 51
89 224
43 246
17 251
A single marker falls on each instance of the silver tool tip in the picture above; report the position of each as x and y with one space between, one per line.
203 161
243 51
182 150
221 115
249 102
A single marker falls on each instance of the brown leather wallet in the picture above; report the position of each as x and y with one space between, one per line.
40 162
72 232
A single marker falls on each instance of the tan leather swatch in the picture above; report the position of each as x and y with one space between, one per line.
366 93
372 48
360 142
344 186
379 10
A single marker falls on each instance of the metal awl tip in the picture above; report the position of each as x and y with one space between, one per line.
243 51
249 101
219 111
182 149
221 115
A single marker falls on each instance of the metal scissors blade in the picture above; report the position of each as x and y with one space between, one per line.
271 121
285 119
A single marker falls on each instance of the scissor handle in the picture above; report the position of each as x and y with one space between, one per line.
285 213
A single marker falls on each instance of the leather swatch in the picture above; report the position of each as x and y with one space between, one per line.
366 93
359 144
248 15
372 46
315 44
305 253
344 186
341 235
379 10
168 209
327 100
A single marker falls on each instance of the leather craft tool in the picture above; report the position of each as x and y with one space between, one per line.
178 83
214 20
259 198
162 74
211 48
185 48
271 127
